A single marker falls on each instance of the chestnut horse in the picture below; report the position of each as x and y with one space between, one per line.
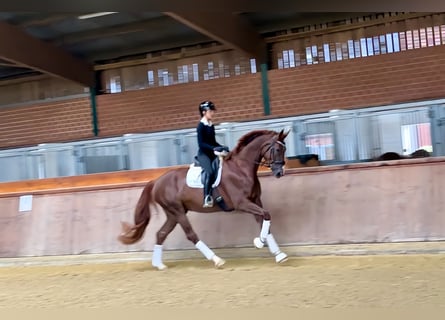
239 189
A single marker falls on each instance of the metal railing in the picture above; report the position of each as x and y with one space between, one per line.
339 136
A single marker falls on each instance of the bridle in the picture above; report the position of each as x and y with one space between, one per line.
271 150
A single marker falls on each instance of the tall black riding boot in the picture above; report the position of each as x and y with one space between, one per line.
208 199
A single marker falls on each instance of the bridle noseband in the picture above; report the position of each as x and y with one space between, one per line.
272 159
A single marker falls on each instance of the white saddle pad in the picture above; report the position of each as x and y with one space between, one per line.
193 178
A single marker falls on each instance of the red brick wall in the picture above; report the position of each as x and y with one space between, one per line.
385 79
50 122
363 82
176 107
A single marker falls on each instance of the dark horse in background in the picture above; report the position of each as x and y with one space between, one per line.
421 153
239 188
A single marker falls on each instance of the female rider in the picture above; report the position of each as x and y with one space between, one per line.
207 146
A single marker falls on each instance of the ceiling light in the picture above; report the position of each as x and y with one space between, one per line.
94 15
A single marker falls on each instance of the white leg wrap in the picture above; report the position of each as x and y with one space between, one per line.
206 251
272 244
264 230
156 259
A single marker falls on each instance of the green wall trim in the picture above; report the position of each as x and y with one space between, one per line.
265 89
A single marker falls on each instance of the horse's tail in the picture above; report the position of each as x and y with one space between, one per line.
133 233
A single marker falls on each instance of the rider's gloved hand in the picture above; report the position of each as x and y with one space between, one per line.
219 149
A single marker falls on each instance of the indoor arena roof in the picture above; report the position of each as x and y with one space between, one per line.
68 45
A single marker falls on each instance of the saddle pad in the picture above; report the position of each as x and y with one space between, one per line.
193 178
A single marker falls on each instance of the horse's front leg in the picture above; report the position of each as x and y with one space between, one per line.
263 217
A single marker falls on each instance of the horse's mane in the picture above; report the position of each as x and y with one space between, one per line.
248 138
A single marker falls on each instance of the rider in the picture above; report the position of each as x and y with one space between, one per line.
207 147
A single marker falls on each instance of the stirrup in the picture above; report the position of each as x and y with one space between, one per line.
208 202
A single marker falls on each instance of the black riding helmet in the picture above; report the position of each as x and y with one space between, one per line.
206 105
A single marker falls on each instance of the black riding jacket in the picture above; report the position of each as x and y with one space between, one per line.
206 139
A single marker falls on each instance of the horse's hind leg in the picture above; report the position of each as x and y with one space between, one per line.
161 235
199 244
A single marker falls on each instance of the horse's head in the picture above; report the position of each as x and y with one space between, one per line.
273 154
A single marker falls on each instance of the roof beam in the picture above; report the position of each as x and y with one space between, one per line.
185 53
348 27
172 43
36 54
227 28
4 63
298 20
43 20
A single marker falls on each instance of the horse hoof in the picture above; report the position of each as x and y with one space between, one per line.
218 261
281 257
160 267
258 243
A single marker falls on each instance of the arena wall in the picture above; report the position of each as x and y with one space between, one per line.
390 201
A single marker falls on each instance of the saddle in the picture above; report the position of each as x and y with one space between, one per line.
195 179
